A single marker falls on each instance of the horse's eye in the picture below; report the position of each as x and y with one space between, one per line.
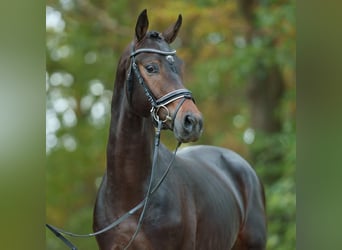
152 68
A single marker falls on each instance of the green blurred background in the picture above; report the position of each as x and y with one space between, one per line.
240 59
23 165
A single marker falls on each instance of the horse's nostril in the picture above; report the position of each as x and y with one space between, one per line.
189 121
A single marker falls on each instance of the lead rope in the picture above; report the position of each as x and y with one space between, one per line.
59 232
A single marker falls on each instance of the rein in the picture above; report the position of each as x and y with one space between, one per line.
143 204
156 104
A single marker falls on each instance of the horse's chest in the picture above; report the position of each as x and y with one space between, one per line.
166 227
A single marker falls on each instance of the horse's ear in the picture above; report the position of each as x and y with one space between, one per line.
141 26
170 33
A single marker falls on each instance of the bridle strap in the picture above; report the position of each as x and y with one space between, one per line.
141 81
173 96
156 51
150 96
182 94
163 101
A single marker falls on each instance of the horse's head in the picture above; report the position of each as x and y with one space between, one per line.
154 81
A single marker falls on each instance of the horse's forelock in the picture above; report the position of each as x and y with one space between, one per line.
154 35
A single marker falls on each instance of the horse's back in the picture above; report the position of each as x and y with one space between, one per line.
222 162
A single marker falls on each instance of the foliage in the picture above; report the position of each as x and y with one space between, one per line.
83 43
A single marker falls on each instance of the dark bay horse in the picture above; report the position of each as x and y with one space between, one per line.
211 198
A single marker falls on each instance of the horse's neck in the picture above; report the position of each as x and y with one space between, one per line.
129 154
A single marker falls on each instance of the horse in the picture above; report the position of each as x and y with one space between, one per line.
211 197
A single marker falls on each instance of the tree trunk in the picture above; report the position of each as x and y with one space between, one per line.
266 85
265 90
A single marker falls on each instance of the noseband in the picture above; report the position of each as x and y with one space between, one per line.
162 102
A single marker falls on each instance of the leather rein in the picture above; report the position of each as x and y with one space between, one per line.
156 105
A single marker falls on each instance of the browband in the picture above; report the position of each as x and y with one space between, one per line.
157 51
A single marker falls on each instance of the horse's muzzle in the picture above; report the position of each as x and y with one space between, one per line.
188 127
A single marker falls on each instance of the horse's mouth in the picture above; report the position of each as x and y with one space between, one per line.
187 138
188 129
